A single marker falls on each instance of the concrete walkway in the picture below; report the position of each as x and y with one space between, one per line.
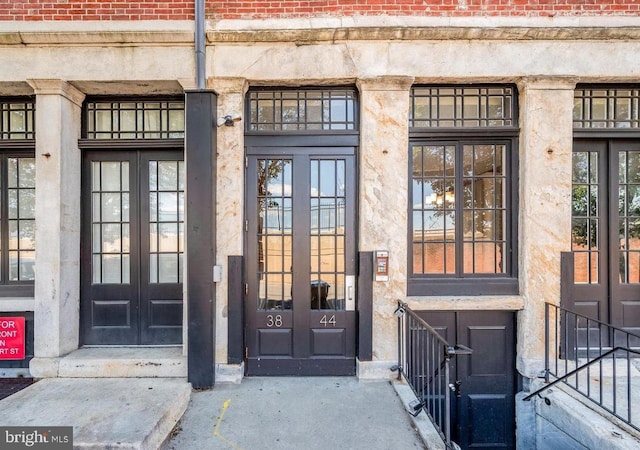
105 413
296 413
260 413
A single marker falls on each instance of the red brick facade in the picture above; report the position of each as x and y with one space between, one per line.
39 10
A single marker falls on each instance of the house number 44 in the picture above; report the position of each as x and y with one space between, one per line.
328 321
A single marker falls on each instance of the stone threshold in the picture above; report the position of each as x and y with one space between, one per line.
113 362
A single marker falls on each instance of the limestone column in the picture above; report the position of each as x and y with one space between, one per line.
229 199
58 163
384 142
546 139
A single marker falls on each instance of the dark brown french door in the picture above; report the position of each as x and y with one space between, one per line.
132 247
300 261
606 231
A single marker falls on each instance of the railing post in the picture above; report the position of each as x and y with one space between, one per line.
447 403
399 313
546 342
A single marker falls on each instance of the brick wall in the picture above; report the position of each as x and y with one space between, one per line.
39 10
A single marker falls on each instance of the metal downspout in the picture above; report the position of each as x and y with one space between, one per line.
200 36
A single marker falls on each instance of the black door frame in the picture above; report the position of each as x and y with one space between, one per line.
346 320
139 332
604 300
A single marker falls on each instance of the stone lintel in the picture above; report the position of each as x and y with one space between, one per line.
13 88
130 87
228 85
57 87
542 83
385 83
474 303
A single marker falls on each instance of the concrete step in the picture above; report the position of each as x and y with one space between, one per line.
128 414
114 362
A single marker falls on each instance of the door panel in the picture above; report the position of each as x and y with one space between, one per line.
484 414
606 235
624 255
132 248
300 254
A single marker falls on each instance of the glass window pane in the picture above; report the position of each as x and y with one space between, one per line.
111 210
26 234
27 266
167 206
12 172
110 176
167 175
168 237
27 201
26 173
13 204
111 269
96 268
153 268
167 268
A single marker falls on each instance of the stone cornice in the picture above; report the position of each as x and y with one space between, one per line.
61 37
92 38
403 33
57 87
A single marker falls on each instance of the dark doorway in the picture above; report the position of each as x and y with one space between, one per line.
484 412
300 261
132 247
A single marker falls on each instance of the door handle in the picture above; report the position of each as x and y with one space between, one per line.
349 293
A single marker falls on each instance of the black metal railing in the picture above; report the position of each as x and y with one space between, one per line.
424 361
594 359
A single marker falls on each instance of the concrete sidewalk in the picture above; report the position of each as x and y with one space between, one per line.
296 413
105 413
260 413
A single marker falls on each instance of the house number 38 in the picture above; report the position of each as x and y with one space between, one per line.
274 321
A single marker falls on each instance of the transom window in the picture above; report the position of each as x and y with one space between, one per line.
462 107
606 107
17 196
148 119
17 119
462 195
302 110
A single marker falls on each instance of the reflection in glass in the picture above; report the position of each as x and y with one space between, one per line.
21 218
301 109
585 218
16 120
110 222
629 216
274 238
166 221
327 233
477 243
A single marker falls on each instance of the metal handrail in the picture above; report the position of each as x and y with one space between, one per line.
570 338
575 371
422 355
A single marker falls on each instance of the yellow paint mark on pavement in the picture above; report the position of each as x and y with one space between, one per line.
233 445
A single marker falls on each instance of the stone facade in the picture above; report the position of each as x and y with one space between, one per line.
382 49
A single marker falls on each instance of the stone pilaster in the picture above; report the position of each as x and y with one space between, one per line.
230 193
546 139
58 163
384 141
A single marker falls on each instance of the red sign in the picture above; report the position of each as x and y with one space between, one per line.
11 338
